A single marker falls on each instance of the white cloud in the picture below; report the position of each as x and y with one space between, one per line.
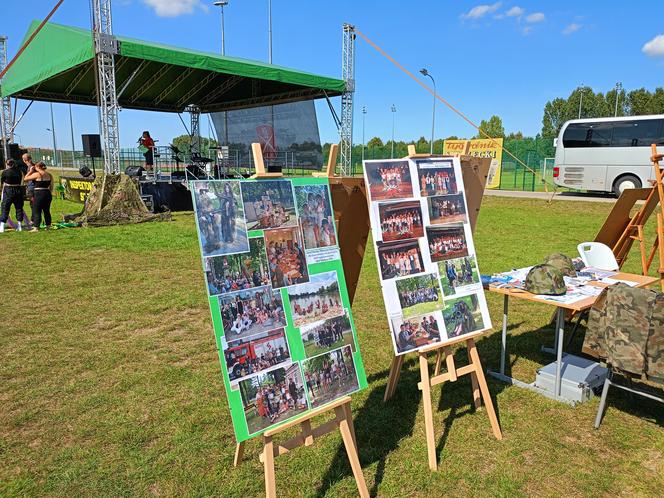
174 8
655 47
572 28
481 10
536 17
515 12
527 30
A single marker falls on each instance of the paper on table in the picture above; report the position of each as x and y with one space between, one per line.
612 281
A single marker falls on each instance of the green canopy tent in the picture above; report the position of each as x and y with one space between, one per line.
59 66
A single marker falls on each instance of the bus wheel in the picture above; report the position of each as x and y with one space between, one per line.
625 182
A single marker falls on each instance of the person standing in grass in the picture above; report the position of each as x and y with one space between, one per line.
43 181
12 193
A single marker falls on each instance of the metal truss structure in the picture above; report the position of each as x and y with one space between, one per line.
106 48
195 114
6 120
348 74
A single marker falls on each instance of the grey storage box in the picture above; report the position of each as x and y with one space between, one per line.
579 378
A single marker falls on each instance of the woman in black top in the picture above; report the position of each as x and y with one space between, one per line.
12 193
43 196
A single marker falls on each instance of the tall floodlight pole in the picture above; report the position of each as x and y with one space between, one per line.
394 113
55 145
364 115
433 117
580 99
348 75
269 31
618 89
222 4
106 47
73 146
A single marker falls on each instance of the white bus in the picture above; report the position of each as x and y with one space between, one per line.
607 154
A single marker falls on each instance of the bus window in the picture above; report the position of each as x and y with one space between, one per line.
639 133
587 135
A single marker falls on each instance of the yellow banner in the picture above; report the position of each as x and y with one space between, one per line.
480 147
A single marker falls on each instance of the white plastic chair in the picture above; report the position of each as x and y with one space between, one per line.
597 255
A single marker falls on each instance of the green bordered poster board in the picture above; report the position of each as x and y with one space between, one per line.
280 308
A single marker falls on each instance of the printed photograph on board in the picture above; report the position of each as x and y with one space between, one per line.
400 220
220 217
419 295
248 312
447 242
458 274
272 397
286 258
316 300
388 180
446 209
316 215
462 315
238 271
399 259
436 178
330 376
416 332
268 204
260 352
326 335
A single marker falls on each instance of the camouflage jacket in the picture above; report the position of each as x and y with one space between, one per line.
626 329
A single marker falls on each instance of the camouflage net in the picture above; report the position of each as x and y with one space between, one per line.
114 200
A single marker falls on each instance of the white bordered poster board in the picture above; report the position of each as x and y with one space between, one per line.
424 247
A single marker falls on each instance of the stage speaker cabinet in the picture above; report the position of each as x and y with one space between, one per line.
91 145
134 171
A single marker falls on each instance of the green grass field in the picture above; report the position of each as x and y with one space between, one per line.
111 382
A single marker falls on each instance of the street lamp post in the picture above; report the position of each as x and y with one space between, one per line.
433 117
394 113
52 130
73 145
580 99
364 114
269 31
618 89
222 4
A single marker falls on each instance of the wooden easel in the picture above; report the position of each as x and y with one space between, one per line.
340 408
658 245
634 228
427 381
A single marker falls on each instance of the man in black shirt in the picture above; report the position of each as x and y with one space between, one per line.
12 193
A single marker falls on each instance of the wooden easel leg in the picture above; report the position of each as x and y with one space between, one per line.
642 249
239 453
428 410
393 378
484 388
345 425
349 417
477 397
268 462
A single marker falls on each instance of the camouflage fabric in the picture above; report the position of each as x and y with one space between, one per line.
626 329
114 200
562 262
545 279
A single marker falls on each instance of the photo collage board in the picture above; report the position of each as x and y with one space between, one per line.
280 307
425 252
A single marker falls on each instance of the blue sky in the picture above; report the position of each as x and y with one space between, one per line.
505 58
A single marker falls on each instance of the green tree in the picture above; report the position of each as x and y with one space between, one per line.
554 117
492 128
515 136
183 142
375 142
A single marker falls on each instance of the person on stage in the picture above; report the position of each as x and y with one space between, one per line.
146 145
43 195
12 193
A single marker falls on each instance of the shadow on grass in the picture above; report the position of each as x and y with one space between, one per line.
379 427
